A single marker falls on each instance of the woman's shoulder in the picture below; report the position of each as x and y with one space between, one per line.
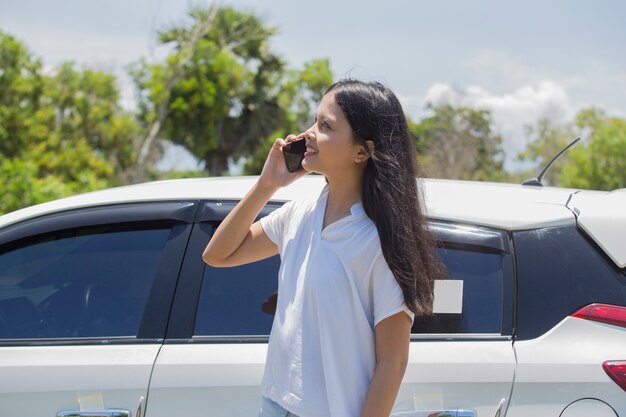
310 201
301 205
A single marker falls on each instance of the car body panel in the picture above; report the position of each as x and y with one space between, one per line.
178 373
455 374
44 380
223 379
564 365
599 214
207 379
40 376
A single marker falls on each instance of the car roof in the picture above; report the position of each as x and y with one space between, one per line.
504 206
499 205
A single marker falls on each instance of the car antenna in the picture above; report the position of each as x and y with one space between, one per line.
537 181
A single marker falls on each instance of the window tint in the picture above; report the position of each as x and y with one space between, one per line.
238 300
81 283
559 271
233 300
481 274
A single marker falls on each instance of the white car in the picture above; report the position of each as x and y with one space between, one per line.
106 308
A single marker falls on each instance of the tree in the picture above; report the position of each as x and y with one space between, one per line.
88 117
170 73
459 143
22 113
226 99
220 94
60 134
299 94
18 188
600 163
546 140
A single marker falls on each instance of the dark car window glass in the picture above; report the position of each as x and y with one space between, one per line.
481 274
559 271
80 283
238 300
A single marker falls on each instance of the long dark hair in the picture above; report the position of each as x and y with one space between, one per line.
390 192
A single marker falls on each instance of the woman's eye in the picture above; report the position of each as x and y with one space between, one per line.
321 124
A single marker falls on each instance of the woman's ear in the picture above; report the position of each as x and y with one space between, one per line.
364 152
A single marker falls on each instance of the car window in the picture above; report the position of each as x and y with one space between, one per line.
90 282
240 300
559 271
481 273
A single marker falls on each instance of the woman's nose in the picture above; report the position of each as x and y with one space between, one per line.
309 133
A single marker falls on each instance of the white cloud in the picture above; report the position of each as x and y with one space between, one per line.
589 84
511 111
523 106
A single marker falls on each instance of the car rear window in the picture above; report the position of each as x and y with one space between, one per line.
559 271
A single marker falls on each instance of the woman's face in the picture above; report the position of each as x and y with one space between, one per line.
330 145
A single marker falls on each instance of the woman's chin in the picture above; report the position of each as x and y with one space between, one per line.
310 168
306 166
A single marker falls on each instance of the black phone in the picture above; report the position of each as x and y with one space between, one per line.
294 154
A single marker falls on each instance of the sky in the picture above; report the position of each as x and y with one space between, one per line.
521 60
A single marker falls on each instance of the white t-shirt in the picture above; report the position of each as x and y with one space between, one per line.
334 286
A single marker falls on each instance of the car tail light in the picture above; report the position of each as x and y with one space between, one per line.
615 315
616 370
604 313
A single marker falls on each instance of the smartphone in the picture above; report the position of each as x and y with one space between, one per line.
294 154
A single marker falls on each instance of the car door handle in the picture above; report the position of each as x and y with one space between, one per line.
113 412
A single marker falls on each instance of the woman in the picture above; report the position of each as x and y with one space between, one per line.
356 262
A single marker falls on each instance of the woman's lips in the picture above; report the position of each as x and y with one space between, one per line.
310 151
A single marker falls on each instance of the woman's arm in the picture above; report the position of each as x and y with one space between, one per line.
237 241
392 354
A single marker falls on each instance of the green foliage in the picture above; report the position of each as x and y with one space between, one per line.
60 134
459 143
23 184
600 163
224 102
224 95
63 132
232 94
19 188
21 87
299 94
546 140
88 113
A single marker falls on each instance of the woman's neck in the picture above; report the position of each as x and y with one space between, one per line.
343 193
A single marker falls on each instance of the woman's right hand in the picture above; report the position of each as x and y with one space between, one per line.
275 174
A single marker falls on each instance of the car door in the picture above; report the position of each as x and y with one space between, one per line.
84 302
213 358
461 360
